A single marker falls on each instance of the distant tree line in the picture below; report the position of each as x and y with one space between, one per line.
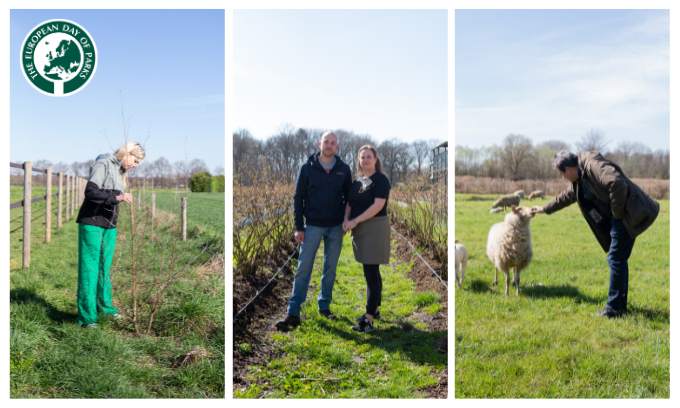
517 158
160 172
290 147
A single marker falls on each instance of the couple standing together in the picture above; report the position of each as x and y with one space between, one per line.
328 205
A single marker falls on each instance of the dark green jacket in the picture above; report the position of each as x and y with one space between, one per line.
606 180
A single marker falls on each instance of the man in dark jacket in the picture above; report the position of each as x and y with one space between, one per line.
616 209
321 191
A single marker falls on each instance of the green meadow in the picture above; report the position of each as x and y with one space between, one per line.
545 343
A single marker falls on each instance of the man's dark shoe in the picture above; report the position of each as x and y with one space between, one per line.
288 322
375 317
363 326
328 315
609 313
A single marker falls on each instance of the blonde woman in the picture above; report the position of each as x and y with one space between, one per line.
97 220
366 217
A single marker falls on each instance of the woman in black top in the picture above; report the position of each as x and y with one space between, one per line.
366 217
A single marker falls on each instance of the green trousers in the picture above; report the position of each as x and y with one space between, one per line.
95 253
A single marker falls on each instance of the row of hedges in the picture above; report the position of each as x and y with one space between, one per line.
205 183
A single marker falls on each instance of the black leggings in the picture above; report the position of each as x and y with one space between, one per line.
374 288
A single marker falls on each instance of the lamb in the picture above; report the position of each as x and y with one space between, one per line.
509 245
461 263
536 194
495 211
506 201
519 193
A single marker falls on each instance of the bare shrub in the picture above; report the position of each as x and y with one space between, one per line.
422 209
263 217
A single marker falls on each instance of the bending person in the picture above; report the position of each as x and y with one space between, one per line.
616 209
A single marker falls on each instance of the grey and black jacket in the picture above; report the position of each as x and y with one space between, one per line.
321 197
100 207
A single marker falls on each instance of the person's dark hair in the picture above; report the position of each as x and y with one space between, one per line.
563 159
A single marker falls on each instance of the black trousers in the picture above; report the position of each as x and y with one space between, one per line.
373 289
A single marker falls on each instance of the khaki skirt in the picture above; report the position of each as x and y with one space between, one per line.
371 241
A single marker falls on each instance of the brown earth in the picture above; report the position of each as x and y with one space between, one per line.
257 320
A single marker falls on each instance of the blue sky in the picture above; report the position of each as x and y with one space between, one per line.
169 65
554 74
382 72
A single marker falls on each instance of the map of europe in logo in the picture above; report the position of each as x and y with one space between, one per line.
58 57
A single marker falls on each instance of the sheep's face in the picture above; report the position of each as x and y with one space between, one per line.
523 213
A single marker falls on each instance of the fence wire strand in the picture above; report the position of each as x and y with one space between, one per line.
418 253
265 286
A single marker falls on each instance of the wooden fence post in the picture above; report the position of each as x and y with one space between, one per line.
60 194
73 194
68 197
28 172
48 205
184 218
139 199
153 205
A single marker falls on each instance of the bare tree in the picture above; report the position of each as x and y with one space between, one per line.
516 150
395 158
197 166
181 173
160 168
556 145
219 170
593 139
420 151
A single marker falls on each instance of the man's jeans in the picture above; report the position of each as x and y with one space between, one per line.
332 239
619 252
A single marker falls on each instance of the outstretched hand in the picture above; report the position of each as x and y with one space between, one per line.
537 210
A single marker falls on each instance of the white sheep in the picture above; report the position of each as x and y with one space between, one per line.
519 193
509 245
495 211
461 263
536 194
506 201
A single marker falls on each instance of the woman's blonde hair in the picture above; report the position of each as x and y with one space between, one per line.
378 165
130 147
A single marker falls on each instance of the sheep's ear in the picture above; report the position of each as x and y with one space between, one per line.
514 209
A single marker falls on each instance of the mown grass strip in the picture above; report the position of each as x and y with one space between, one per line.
386 363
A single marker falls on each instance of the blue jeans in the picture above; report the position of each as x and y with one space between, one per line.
619 252
332 239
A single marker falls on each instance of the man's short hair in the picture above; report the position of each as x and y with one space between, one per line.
563 159
330 132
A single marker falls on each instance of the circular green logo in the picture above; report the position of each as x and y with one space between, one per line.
58 57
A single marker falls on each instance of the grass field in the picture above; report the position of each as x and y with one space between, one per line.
385 363
51 356
545 344
206 209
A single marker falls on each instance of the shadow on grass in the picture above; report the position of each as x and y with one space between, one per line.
25 295
559 291
654 315
420 346
478 286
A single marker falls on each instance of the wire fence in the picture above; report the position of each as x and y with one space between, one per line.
259 292
74 194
